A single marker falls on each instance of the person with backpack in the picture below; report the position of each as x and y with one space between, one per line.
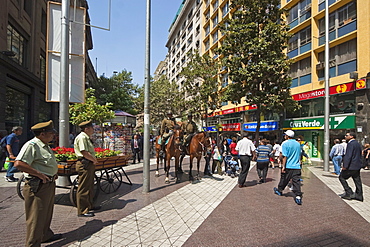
12 150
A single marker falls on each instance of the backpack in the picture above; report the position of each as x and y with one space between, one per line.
3 147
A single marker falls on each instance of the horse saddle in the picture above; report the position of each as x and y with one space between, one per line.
160 140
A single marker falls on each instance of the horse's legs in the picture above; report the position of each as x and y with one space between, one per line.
180 164
191 167
157 171
177 166
167 162
198 165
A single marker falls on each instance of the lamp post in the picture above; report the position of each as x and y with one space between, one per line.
327 83
146 154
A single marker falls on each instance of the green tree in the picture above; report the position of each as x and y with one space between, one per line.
201 86
118 90
164 96
254 52
81 112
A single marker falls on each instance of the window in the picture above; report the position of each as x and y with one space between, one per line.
341 22
215 21
342 60
206 45
225 80
299 13
43 23
225 9
28 7
207 16
300 43
197 30
215 5
190 14
17 44
207 29
215 37
300 72
190 40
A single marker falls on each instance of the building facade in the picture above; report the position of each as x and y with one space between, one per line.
23 65
184 36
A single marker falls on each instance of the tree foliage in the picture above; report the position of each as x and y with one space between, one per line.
201 84
81 112
253 50
118 90
164 96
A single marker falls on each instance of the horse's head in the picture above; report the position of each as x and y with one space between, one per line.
178 134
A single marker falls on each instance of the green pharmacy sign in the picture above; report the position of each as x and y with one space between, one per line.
339 122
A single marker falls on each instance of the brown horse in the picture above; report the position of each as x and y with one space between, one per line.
198 146
172 149
159 157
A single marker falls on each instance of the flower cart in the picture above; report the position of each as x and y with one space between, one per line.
108 175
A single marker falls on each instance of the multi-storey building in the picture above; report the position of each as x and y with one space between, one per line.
349 67
349 72
184 36
23 64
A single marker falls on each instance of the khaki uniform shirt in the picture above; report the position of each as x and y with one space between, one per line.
189 127
167 125
39 156
83 143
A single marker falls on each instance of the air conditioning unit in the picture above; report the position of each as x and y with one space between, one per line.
305 9
332 62
320 66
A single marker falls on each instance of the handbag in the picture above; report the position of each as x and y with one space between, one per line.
6 163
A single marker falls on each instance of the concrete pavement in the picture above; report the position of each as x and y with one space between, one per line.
209 212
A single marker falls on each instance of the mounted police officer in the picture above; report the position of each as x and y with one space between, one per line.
190 129
167 127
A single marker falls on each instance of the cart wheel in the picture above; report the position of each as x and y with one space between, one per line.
110 181
73 191
20 185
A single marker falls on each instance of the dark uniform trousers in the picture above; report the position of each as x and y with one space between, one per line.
85 189
355 174
245 161
295 176
39 212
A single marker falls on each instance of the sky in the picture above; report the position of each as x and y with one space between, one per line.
123 47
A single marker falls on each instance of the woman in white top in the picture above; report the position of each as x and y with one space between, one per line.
276 150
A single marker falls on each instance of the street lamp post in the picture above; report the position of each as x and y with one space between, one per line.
327 83
146 155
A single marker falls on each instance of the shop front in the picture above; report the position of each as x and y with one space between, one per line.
311 130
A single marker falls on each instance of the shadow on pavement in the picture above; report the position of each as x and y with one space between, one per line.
82 232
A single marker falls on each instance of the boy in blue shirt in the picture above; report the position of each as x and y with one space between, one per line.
291 170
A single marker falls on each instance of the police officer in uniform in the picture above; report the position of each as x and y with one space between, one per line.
167 127
37 161
85 168
190 128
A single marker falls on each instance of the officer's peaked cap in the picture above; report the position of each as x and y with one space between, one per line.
85 124
44 126
169 112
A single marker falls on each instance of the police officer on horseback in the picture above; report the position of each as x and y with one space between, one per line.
167 127
190 129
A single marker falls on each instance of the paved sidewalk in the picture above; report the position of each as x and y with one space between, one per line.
209 212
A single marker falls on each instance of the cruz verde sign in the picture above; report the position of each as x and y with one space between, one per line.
339 122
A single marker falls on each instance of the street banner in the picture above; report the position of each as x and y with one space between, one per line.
76 54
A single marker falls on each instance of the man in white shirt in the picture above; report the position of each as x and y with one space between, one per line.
246 150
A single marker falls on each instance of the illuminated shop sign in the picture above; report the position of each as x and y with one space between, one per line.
265 126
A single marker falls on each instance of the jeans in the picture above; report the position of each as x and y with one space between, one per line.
337 160
11 169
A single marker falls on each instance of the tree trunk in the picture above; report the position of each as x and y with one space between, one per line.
258 115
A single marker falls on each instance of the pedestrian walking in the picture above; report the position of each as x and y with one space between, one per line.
352 164
263 154
85 168
246 150
336 154
136 148
291 166
217 159
37 161
12 150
